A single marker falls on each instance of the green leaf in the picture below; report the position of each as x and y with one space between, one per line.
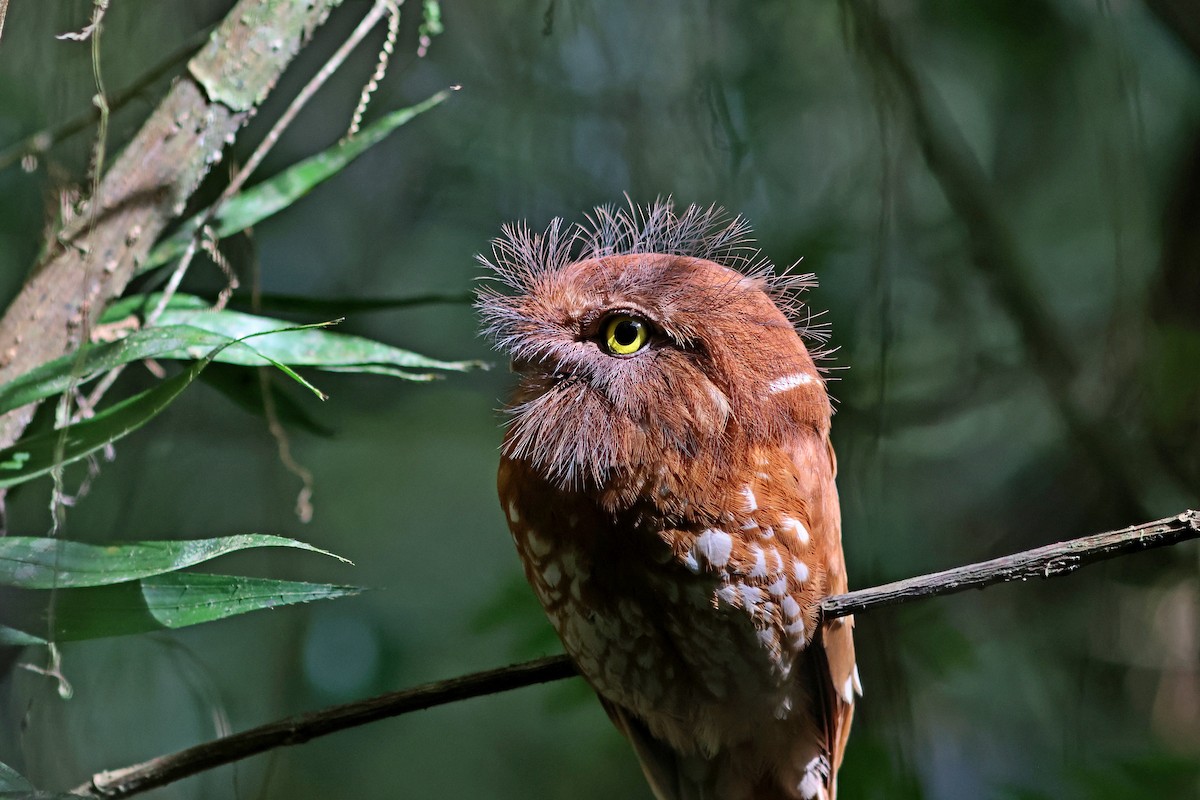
16 638
265 199
140 305
297 346
12 781
38 454
55 376
44 563
162 602
309 347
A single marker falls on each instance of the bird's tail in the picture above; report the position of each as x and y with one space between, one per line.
729 774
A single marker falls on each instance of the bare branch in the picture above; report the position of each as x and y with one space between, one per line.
1045 562
297 730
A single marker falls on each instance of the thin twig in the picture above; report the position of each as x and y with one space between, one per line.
203 236
268 142
1044 562
298 102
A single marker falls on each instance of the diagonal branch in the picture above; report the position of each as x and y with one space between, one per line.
1045 562
149 184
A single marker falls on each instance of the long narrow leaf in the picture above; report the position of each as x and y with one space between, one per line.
160 341
265 199
37 455
162 602
307 347
303 348
44 563
16 638
13 781
55 376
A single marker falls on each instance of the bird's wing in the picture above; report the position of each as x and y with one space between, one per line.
829 662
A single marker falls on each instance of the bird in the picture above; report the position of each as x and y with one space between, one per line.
667 477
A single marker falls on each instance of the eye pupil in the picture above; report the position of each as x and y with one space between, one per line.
626 332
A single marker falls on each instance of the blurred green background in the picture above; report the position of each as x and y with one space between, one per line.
1001 393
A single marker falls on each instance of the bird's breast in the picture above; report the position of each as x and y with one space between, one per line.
654 626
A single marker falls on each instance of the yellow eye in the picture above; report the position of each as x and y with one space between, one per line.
625 335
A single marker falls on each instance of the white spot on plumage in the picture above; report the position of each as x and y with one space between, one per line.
776 560
789 382
751 500
552 573
857 682
749 525
537 545
715 545
812 786
796 628
801 570
848 689
759 568
751 595
729 594
790 607
780 587
766 638
689 561
545 595
796 528
514 516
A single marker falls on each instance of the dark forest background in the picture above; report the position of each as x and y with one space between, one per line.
1008 248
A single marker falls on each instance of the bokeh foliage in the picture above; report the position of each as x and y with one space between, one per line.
956 442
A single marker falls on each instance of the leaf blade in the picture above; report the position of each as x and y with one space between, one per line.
312 347
37 455
268 198
47 563
162 602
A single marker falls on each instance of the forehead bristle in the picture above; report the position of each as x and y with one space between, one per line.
522 259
